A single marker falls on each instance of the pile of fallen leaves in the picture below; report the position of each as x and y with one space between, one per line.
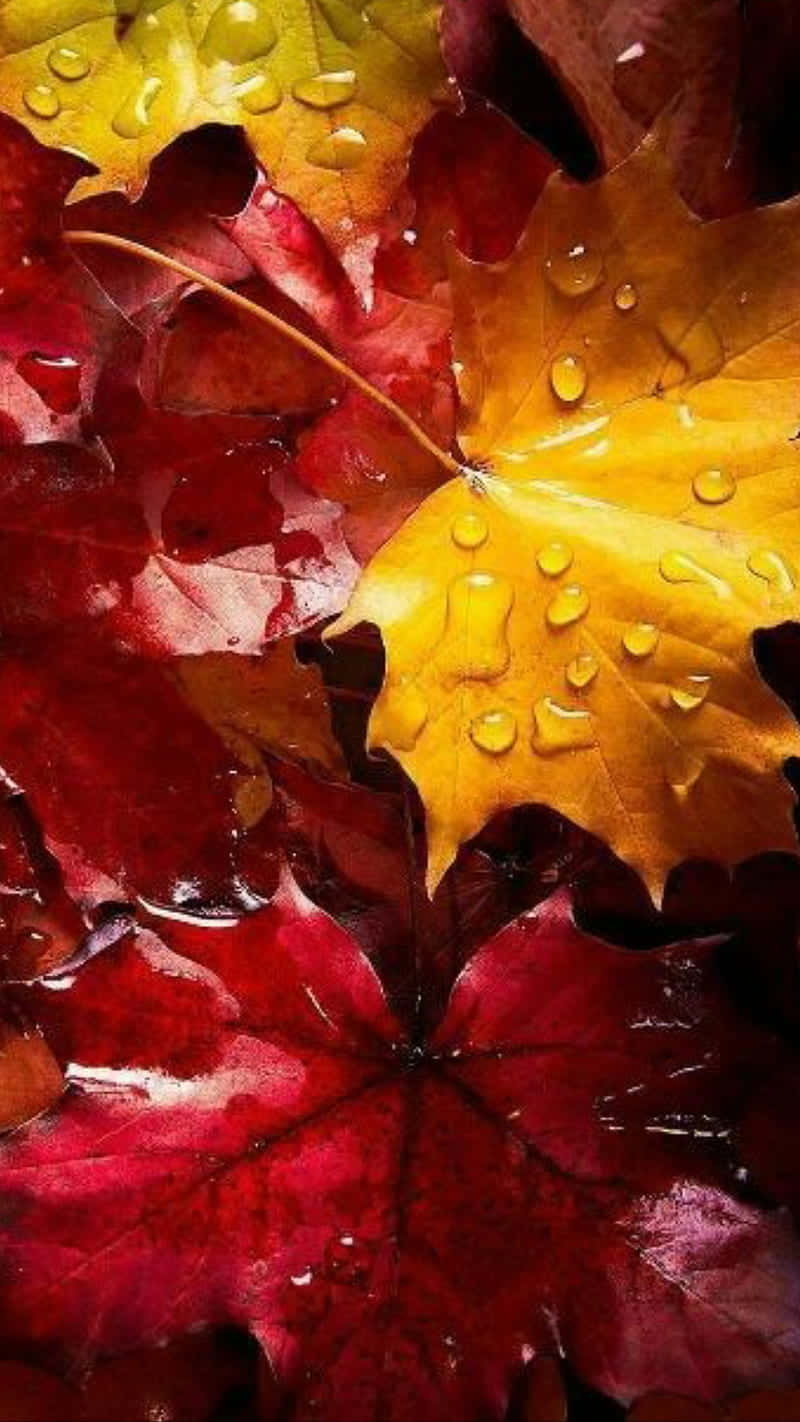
400 537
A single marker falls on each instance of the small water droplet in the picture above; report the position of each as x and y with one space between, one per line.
259 94
682 771
347 1261
568 378
469 531
554 559
132 119
494 731
677 567
581 671
560 728
576 270
326 91
56 380
69 63
626 297
640 639
714 486
238 32
774 569
303 1279
344 148
569 605
691 693
42 101
475 642
403 715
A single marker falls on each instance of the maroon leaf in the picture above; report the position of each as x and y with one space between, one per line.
401 1223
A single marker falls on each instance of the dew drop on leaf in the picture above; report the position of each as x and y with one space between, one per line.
469 531
494 731
626 297
132 118
344 23
475 642
575 271
258 94
682 771
677 567
344 148
68 63
569 605
238 32
691 693
554 559
568 378
581 671
42 101
640 639
560 728
774 569
326 91
714 486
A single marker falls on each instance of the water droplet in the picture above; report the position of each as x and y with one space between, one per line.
774 569
626 297
42 101
475 642
640 639
345 23
56 380
581 671
682 771
238 32
494 731
403 715
303 1279
678 567
68 63
691 693
569 605
554 559
568 378
347 1260
132 119
258 94
469 531
342 149
326 91
560 728
714 486
575 271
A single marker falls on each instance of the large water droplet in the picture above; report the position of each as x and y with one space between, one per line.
345 23
640 639
568 378
554 558
494 731
626 296
403 714
259 94
560 728
344 148
56 380
576 270
132 119
326 91
42 101
68 63
581 671
475 643
714 486
569 605
682 771
238 32
691 693
774 569
677 567
469 531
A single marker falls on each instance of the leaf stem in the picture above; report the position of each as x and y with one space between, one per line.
261 313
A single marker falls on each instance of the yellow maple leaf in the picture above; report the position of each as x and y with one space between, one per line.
572 623
330 92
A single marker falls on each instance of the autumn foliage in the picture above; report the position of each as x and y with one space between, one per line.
399 898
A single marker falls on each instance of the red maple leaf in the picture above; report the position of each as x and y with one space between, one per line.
401 1222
